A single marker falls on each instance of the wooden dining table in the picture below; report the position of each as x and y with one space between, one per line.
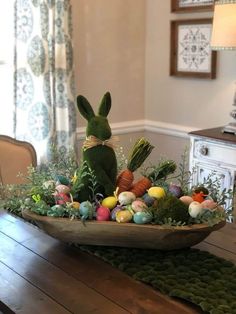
40 274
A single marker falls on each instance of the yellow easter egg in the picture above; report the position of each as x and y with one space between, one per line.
109 202
75 205
124 216
157 192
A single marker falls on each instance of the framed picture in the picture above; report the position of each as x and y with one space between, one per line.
191 5
190 51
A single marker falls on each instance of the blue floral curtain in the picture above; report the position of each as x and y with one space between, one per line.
44 79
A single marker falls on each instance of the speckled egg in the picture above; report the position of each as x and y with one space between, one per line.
142 218
138 206
86 210
56 211
124 216
75 205
61 198
148 199
103 213
61 188
186 199
175 190
209 204
195 208
114 211
126 198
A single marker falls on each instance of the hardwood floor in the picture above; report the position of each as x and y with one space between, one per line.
39 274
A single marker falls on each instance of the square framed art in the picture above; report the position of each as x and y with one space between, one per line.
190 51
191 5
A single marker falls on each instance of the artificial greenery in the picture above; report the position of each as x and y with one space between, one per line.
101 158
213 185
141 150
170 210
159 173
196 276
38 194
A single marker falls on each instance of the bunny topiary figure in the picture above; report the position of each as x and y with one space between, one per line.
98 152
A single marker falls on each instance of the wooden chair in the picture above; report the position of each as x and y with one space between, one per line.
15 157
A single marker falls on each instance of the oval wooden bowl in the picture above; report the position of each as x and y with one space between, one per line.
110 233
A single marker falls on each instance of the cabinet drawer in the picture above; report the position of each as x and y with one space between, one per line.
213 151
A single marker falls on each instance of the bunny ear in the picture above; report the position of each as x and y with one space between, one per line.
105 105
85 108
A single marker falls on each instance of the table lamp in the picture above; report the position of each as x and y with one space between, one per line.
224 38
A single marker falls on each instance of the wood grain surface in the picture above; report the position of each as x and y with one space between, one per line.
40 274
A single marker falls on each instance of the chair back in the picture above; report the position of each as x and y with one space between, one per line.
15 157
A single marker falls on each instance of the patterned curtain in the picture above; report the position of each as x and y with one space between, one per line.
44 94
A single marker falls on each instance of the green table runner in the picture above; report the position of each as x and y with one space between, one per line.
196 276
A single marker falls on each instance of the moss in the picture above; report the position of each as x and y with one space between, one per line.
194 279
170 207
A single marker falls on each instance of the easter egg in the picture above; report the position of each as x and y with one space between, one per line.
86 210
142 217
114 211
156 192
61 198
61 188
56 211
138 206
126 198
175 190
209 204
57 207
186 199
148 199
62 180
103 213
195 208
124 216
75 205
109 202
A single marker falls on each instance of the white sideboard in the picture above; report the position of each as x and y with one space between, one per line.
213 152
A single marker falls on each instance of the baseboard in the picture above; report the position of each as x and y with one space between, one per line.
145 125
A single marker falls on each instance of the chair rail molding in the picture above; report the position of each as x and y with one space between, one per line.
133 126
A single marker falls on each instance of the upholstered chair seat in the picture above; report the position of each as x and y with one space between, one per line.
15 157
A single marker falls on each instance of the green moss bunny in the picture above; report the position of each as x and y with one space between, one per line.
98 152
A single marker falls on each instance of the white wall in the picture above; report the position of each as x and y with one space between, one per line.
123 46
197 103
109 46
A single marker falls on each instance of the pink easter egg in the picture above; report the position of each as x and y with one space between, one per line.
103 213
61 188
209 204
138 206
61 198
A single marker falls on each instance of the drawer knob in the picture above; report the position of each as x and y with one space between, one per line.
203 150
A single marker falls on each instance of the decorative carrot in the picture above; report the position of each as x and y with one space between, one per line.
141 186
162 170
141 150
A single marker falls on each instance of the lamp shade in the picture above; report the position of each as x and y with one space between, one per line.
224 25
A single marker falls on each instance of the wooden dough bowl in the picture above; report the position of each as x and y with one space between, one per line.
108 233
